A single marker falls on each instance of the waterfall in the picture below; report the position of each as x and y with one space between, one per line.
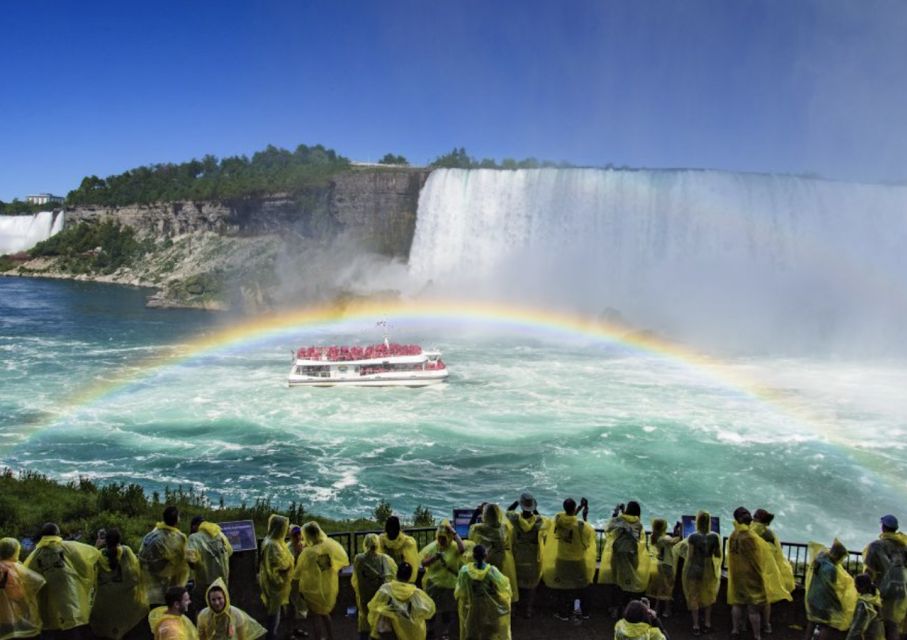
19 233
676 250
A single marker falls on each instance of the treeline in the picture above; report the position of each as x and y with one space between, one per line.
274 170
19 207
459 159
94 248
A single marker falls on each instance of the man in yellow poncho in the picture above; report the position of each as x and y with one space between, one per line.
830 593
221 621
317 571
400 607
625 558
371 569
20 616
638 623
885 560
442 559
399 546
568 557
212 553
753 579
494 533
170 622
701 575
526 526
483 599
120 602
275 572
164 557
70 569
761 521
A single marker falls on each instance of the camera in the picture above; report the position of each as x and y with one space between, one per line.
619 509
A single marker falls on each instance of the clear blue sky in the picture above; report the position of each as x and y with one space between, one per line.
777 86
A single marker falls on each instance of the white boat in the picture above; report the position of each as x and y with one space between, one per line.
378 365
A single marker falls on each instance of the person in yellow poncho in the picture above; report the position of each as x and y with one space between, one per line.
625 559
526 526
170 622
164 557
20 616
120 602
275 572
483 600
568 557
830 593
494 533
701 575
371 569
761 521
867 618
212 554
317 571
638 623
442 559
661 575
222 621
885 560
70 569
399 546
753 579
298 610
401 608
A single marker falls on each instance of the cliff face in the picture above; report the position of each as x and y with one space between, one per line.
375 206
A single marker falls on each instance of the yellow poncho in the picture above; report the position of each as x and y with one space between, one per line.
526 542
275 572
483 599
402 549
405 606
701 575
830 593
70 569
568 553
624 630
890 575
164 560
166 626
785 570
213 552
371 569
20 616
625 559
752 573
494 533
317 569
229 624
120 602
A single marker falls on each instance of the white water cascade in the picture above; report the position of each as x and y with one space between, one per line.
729 257
19 233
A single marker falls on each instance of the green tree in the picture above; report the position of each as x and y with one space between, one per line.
390 158
422 517
383 511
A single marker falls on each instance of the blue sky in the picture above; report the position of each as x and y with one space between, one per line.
775 86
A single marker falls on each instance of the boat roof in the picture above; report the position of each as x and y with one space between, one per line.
395 359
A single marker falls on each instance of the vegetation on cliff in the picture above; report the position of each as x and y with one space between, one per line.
273 170
19 207
459 159
93 248
390 158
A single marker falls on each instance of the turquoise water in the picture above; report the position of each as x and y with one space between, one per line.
555 414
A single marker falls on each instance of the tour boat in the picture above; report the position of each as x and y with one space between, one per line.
378 365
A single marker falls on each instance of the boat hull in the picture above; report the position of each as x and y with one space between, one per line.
368 382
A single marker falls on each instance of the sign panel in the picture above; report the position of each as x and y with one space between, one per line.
241 534
689 525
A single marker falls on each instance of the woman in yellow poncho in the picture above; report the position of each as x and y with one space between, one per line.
401 606
442 559
701 575
568 557
120 602
494 533
317 572
20 616
625 559
275 573
526 527
661 574
831 596
371 569
399 546
221 621
71 569
483 599
761 521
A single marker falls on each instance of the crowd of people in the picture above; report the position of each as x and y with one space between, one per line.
469 588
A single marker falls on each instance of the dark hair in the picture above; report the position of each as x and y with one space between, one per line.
404 571
173 595
50 529
742 515
171 516
636 612
478 553
633 508
196 520
112 540
569 506
392 526
763 516
863 583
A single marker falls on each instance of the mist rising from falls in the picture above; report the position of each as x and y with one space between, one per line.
19 233
738 261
